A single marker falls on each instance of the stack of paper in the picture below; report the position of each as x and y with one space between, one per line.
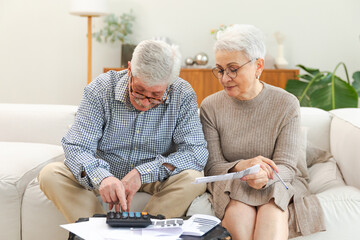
199 224
97 229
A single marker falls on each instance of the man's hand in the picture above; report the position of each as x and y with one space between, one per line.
131 183
112 191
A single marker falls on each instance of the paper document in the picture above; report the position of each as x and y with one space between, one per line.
228 176
97 229
168 229
199 224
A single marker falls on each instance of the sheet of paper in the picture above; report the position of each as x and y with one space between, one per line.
228 176
97 229
199 224
90 230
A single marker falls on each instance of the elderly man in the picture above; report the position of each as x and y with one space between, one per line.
135 130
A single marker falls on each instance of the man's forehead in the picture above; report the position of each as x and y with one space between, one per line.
154 88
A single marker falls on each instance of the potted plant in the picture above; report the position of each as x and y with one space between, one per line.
118 29
325 90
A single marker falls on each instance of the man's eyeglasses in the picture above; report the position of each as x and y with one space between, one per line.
141 96
230 71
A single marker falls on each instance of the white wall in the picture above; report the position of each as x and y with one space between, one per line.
43 49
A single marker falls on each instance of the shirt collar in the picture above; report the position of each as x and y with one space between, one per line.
122 88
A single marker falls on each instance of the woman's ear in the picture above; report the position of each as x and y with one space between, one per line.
259 66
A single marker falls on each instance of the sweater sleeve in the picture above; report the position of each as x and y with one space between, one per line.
287 144
216 164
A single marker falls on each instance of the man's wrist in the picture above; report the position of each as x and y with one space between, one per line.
169 166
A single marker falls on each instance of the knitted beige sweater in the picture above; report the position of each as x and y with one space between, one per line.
266 125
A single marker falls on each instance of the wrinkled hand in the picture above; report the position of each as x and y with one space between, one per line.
131 183
112 191
257 180
266 165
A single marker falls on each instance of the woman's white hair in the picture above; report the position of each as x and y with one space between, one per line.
241 37
156 62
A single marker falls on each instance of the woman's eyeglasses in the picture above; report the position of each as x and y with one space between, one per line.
230 71
141 96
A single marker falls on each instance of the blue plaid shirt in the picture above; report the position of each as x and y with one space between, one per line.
110 137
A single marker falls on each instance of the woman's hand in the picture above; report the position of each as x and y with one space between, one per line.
257 180
266 165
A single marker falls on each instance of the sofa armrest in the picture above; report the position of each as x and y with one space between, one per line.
35 123
345 143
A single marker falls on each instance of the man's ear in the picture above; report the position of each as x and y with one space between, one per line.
129 67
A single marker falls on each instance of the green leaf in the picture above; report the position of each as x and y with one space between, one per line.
305 77
295 87
344 95
325 90
356 82
312 71
116 27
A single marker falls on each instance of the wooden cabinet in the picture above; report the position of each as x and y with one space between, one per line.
202 80
205 83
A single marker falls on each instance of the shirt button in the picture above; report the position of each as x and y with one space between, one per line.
148 170
132 165
137 131
141 112
135 148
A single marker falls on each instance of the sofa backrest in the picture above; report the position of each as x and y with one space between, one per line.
36 123
345 143
317 122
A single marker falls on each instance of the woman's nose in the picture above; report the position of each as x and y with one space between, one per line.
225 78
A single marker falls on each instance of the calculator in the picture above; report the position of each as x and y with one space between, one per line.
128 219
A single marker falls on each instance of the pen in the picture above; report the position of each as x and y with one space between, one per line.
282 181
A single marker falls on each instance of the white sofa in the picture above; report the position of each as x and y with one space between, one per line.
30 138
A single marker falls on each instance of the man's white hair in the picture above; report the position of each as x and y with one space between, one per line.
241 37
156 62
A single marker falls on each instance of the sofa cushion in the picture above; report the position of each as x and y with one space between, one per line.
317 122
40 218
301 162
316 155
341 207
325 175
20 163
201 205
344 139
37 123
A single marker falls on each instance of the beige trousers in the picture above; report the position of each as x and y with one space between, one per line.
170 198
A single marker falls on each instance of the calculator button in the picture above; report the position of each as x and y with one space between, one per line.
128 219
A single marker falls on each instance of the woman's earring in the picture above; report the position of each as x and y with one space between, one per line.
258 76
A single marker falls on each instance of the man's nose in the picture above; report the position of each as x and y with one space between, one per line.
146 102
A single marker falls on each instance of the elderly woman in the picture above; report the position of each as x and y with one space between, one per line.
248 123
